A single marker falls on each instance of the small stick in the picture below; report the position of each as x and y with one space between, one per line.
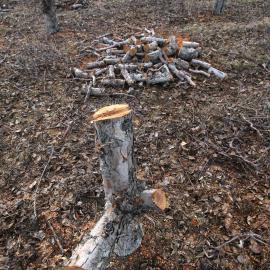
252 126
88 92
55 237
199 72
39 181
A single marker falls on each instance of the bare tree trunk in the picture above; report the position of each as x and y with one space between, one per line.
48 9
219 7
118 231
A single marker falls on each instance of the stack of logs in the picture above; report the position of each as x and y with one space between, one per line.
143 59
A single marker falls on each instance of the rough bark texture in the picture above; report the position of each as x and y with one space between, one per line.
118 231
219 7
48 9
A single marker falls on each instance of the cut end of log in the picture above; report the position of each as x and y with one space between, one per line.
160 200
111 112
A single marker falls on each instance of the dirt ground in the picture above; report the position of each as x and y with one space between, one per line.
207 147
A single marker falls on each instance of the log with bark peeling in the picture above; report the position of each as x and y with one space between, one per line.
126 75
118 231
116 83
181 74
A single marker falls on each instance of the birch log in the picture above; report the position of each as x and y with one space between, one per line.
118 231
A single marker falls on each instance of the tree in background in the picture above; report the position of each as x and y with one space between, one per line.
48 9
219 7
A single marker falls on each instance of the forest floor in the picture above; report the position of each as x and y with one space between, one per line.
207 147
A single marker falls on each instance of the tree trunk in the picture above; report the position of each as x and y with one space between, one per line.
48 9
219 7
118 231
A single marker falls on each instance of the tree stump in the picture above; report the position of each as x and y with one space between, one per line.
118 231
219 7
48 9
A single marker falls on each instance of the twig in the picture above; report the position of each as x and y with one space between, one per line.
252 126
38 183
247 236
55 237
88 92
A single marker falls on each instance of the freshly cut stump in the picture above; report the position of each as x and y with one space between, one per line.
118 231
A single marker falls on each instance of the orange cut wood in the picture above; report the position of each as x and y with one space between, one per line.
159 198
111 112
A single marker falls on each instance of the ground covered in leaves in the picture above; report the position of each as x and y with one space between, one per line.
207 147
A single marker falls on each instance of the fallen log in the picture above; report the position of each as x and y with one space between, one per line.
221 75
115 51
126 75
190 44
111 61
138 77
97 64
181 64
150 46
160 41
154 56
118 231
78 73
188 54
130 53
181 74
89 90
111 72
100 71
116 83
161 77
129 67
196 71
199 63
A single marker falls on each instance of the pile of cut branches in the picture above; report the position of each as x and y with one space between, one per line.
143 59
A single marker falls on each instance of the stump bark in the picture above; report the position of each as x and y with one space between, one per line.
118 231
49 11
219 7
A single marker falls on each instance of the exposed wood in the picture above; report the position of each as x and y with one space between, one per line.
154 198
49 11
172 47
